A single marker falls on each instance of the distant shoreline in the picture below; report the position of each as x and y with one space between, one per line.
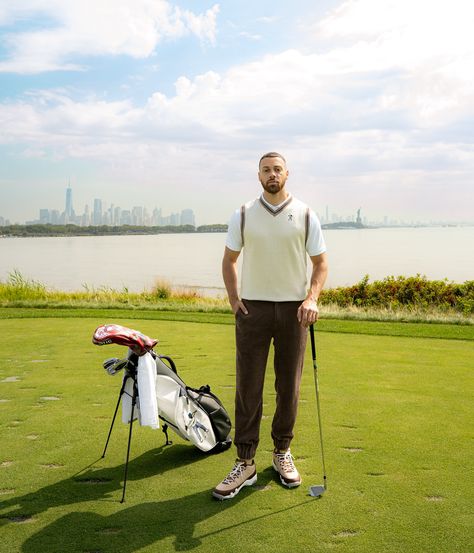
48 230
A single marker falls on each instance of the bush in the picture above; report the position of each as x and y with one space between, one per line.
409 292
162 290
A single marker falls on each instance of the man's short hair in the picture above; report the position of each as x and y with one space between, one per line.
271 154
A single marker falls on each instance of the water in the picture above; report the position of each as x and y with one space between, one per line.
194 260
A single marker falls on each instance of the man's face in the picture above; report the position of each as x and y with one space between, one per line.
272 174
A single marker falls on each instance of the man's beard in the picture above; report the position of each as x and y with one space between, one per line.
273 187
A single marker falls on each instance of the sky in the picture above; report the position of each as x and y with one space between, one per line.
171 104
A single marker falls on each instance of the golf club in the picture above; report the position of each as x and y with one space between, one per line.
114 365
317 490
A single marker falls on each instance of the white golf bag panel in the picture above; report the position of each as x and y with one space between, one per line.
127 403
183 414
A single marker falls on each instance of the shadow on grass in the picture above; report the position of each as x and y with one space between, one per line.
98 484
129 529
142 525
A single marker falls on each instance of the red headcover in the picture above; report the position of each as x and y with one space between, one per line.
116 334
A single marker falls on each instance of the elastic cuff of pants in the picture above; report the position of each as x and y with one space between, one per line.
246 451
282 445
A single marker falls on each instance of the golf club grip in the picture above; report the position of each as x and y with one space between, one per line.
313 345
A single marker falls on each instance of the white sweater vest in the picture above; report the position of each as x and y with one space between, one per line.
274 264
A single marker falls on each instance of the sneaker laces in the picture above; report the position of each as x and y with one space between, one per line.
285 460
235 473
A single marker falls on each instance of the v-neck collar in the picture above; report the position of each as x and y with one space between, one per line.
280 208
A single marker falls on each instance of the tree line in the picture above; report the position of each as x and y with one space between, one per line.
103 230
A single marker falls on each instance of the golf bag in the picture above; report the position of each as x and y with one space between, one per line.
194 414
153 391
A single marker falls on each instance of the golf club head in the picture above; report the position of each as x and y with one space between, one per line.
316 491
113 365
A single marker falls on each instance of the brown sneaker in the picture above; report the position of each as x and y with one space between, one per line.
241 475
284 465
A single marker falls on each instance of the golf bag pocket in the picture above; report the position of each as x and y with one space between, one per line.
216 412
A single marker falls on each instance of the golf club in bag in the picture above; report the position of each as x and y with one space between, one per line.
317 490
152 391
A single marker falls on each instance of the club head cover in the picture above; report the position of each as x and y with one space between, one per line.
116 334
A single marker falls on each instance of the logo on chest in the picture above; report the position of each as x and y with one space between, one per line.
291 218
292 222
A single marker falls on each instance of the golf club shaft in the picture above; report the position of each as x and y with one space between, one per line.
316 383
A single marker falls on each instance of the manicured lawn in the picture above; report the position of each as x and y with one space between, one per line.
397 420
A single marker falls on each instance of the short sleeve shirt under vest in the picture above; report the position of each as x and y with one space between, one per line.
275 242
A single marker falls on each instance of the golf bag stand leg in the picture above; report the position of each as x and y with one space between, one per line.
134 401
164 429
122 391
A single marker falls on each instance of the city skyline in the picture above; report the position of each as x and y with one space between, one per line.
172 102
103 213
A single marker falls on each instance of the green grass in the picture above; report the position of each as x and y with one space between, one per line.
397 417
422 330
404 299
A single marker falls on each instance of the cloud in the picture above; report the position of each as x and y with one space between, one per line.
429 43
250 36
267 19
387 71
375 106
96 27
356 123
203 26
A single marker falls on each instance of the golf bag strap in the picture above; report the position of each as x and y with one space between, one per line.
170 362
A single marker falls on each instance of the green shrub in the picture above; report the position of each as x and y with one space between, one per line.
409 292
162 290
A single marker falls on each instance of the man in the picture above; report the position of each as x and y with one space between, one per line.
276 232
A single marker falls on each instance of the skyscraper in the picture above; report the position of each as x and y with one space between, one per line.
69 210
137 215
187 217
86 218
97 213
44 216
117 215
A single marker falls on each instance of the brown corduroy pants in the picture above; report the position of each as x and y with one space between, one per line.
254 332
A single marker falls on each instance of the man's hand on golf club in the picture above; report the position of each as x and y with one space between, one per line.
308 312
